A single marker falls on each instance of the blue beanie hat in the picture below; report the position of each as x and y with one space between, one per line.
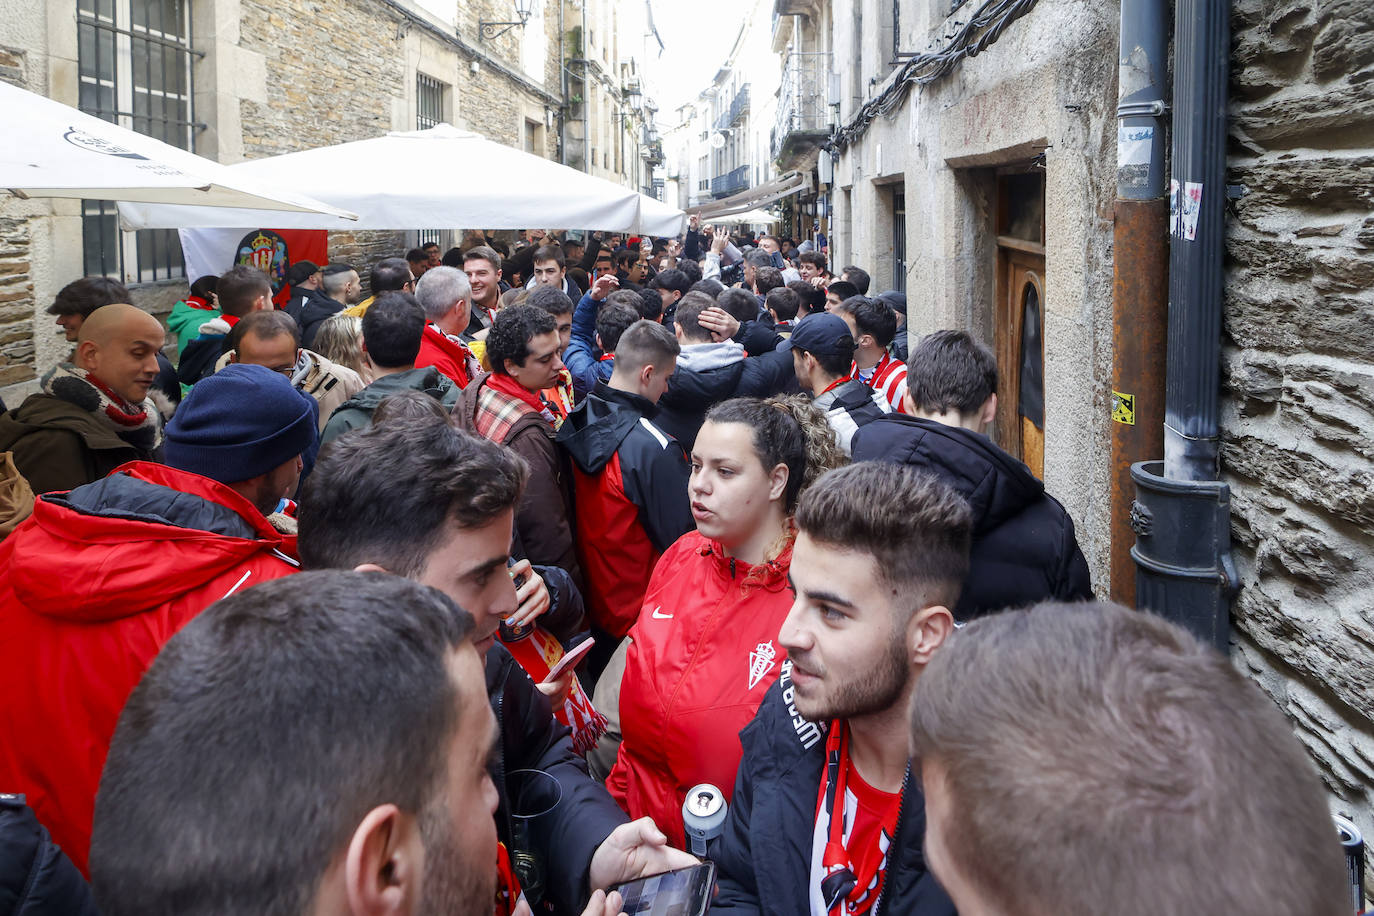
241 422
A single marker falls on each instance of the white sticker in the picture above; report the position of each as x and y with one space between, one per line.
1174 213
1192 208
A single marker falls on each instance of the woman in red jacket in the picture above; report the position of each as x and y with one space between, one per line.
704 650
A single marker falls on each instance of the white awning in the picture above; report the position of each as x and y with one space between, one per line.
754 198
48 149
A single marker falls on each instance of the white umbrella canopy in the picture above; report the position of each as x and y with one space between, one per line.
439 178
52 150
658 218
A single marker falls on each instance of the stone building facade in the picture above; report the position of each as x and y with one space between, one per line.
987 196
269 78
1298 362
1002 173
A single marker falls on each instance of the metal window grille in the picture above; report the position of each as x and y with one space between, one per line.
429 111
429 101
134 66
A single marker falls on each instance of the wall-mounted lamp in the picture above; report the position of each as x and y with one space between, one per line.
489 31
634 96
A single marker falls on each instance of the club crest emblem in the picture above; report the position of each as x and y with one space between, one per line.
761 662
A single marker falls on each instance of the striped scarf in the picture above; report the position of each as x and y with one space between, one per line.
137 424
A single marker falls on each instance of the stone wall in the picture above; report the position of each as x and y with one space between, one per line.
16 303
1298 408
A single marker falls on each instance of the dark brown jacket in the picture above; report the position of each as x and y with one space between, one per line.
59 446
543 521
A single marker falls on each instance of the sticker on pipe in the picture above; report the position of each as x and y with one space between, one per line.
1123 408
1192 208
1134 146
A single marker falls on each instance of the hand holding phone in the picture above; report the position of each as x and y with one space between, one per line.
684 890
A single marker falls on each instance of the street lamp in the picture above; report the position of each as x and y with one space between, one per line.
635 97
492 30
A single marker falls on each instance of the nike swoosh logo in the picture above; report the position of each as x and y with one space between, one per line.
659 615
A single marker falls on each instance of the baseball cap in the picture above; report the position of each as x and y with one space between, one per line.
301 271
821 333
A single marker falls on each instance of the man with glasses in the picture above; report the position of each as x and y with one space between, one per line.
273 340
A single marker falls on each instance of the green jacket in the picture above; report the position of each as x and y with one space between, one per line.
357 410
185 322
59 446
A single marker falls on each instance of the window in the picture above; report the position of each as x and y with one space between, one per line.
429 101
532 137
134 66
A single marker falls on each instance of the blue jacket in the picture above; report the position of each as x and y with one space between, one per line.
587 369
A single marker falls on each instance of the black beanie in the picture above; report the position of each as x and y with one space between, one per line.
241 422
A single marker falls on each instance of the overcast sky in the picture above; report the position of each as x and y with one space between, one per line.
697 34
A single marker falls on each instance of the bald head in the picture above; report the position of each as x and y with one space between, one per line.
118 344
116 321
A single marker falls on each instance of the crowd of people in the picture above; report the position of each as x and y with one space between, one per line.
442 598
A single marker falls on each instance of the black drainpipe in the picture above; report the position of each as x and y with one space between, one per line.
1182 510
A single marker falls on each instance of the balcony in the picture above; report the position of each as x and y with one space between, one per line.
732 182
803 120
739 106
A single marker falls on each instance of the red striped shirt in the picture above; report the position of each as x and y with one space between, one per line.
888 377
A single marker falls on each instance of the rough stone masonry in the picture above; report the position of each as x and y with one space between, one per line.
1298 412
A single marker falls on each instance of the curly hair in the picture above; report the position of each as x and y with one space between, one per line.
788 430
515 326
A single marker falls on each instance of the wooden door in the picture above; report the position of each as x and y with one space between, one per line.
1019 320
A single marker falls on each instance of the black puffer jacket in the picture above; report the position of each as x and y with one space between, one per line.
763 856
1024 548
36 877
532 739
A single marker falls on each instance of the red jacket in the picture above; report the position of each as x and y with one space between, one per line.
630 492
704 653
92 593
449 357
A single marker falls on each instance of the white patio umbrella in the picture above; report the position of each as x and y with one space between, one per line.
48 149
439 178
658 218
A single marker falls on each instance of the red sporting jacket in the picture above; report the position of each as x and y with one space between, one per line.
704 653
99 578
630 490
450 358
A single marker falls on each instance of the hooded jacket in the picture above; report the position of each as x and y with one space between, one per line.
314 313
543 520
580 357
763 855
357 411
98 580
36 877
630 489
58 445
707 373
1024 548
701 658
850 405
186 318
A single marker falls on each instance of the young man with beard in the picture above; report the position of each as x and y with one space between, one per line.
827 817
436 505
279 760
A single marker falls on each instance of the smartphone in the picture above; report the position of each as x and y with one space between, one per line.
682 892
569 659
